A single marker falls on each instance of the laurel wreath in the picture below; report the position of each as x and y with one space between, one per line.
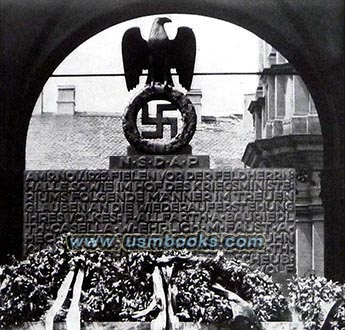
158 92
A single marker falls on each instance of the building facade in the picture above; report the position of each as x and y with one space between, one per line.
288 134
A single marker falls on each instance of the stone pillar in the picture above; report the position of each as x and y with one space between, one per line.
301 107
313 123
304 153
301 97
280 87
318 243
289 105
269 112
304 264
310 231
258 124
271 97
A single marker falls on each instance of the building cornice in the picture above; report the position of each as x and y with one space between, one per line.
295 151
279 69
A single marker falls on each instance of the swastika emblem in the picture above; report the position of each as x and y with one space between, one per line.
145 141
159 121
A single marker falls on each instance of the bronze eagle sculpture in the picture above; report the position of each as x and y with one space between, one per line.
159 55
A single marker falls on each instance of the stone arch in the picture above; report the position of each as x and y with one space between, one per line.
37 36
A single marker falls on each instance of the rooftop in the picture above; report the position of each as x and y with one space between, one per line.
86 141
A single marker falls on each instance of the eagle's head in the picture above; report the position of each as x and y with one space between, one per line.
162 20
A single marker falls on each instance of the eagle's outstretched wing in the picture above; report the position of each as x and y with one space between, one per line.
134 55
183 50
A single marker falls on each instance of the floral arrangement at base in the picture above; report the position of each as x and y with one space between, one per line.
28 287
207 288
319 303
116 288
198 299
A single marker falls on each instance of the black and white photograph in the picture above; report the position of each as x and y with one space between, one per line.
172 165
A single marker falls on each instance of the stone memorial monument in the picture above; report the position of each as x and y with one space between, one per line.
160 195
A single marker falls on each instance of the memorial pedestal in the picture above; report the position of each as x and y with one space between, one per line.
247 213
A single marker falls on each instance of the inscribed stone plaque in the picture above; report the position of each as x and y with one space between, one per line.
159 162
243 202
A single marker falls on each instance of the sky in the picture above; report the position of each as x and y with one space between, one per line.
221 47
